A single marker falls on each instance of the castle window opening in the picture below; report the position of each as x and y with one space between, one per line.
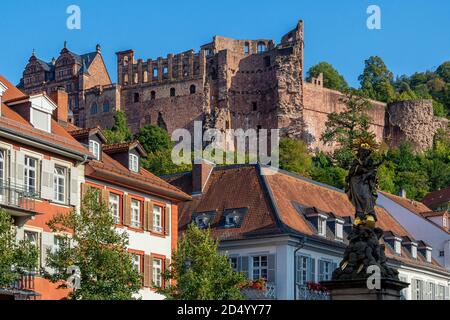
125 79
192 89
207 52
172 92
136 78
105 106
254 106
145 76
136 97
261 47
247 48
155 72
125 61
94 108
267 61
152 95
165 71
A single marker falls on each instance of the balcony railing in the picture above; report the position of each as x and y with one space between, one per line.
22 289
17 196
305 292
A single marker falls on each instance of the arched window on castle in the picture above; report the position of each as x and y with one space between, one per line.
247 48
172 92
145 76
136 97
125 78
192 89
261 47
152 95
136 78
94 108
155 72
106 106
165 71
125 61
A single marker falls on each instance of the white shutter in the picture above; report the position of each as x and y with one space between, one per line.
244 266
18 167
413 289
74 187
48 168
447 295
271 268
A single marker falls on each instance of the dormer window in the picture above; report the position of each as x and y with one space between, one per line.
232 218
339 230
398 246
321 226
414 251
94 148
203 220
133 162
41 111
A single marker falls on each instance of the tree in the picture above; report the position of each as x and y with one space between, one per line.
16 257
347 127
376 80
331 77
120 132
444 71
294 156
97 249
199 272
154 138
324 171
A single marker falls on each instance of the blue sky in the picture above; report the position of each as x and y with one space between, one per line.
414 36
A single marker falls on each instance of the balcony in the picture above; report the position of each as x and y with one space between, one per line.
22 289
311 292
17 198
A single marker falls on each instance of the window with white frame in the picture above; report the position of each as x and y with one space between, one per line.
135 213
339 231
322 226
326 269
30 174
157 272
418 289
157 219
2 170
94 148
441 292
305 269
59 184
414 251
34 238
259 267
431 291
114 203
398 246
133 162
234 263
137 262
428 255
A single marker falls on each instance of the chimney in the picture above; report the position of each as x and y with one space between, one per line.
425 250
61 99
201 170
3 88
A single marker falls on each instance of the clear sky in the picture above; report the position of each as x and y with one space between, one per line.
415 34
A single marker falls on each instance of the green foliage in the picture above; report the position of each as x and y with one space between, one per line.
16 257
324 171
294 156
331 77
97 249
347 127
154 138
376 80
120 132
200 272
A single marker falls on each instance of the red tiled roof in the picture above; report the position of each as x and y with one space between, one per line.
11 120
437 197
411 205
123 147
111 170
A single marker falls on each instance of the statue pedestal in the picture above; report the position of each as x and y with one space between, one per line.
357 289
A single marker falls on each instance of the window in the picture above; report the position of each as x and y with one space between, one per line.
133 162
441 293
254 106
153 95
94 108
157 219
192 89
58 241
261 47
125 78
157 272
305 269
231 221
135 213
431 291
145 76
339 231
321 226
94 148
441 253
414 251
417 289
34 239
40 120
2 170
326 269
207 52
125 61
165 71
30 174
155 72
246 48
172 92
136 97
260 267
137 263
428 255
136 78
398 246
114 203
59 184
105 106
234 263
267 61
